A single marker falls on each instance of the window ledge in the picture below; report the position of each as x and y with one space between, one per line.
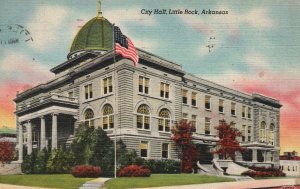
183 104
222 113
233 115
194 106
209 110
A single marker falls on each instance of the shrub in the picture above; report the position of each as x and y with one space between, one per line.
27 165
86 171
60 161
41 161
263 172
6 151
133 171
163 166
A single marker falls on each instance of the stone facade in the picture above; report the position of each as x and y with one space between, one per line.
140 105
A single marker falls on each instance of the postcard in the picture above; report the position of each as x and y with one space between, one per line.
169 90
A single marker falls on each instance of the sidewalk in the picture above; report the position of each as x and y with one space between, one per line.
239 185
9 186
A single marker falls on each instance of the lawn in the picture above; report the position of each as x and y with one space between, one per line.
156 180
59 181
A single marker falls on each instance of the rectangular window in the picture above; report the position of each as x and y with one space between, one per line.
243 111
193 123
164 90
88 91
144 149
207 102
185 116
207 126
233 108
249 112
221 106
194 99
143 85
107 85
165 150
249 133
184 96
243 133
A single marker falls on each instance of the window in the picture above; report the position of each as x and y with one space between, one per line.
143 85
194 99
243 111
88 91
107 85
221 105
233 108
108 117
207 126
164 90
207 102
143 117
70 94
249 133
184 96
262 132
88 118
243 133
185 116
165 150
144 149
193 123
271 134
35 136
164 120
249 112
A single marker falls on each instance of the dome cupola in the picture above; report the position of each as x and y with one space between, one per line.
96 34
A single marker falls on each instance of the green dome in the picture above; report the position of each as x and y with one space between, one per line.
96 34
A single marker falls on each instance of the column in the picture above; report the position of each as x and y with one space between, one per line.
29 139
54 131
254 155
43 133
20 143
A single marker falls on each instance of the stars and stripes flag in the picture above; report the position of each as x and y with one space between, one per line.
124 46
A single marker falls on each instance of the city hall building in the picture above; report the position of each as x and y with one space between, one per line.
140 104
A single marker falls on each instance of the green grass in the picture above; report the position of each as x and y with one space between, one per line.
59 181
156 180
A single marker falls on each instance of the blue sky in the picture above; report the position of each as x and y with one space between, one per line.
256 45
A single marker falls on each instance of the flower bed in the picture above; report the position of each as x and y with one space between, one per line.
263 172
133 171
86 171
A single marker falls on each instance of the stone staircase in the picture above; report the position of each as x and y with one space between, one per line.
92 185
210 168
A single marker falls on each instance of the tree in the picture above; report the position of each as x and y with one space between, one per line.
60 161
228 144
188 152
6 152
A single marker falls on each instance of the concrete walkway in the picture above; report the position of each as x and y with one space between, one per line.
9 186
238 185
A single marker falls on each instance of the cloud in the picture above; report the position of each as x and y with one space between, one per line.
226 28
18 73
44 25
16 67
146 44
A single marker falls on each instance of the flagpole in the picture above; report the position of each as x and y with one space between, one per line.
115 127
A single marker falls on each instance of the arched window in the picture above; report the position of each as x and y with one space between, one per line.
262 132
271 133
143 117
88 118
108 117
164 120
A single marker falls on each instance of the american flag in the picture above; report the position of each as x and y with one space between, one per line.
124 46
